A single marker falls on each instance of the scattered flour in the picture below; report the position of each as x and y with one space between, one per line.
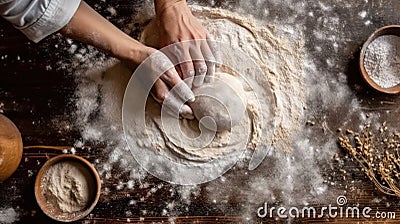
280 58
280 115
300 177
8 215
382 61
100 93
68 186
362 14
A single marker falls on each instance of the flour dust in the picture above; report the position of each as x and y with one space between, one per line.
302 176
8 215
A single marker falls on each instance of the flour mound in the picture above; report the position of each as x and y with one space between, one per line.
68 186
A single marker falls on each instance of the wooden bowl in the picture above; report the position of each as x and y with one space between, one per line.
10 148
386 30
56 213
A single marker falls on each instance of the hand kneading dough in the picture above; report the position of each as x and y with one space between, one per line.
221 100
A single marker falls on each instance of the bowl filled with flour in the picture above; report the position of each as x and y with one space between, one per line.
380 60
67 188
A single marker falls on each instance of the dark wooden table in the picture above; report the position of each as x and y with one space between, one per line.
37 95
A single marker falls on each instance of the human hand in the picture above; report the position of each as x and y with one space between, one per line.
177 24
87 23
169 89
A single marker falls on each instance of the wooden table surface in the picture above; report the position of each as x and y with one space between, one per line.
36 95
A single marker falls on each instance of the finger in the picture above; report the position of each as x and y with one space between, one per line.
188 79
182 57
186 112
179 71
199 65
176 53
159 91
159 62
172 78
188 73
175 106
201 71
210 62
210 72
216 50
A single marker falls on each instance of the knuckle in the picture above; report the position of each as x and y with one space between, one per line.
171 79
187 66
202 66
160 96
168 76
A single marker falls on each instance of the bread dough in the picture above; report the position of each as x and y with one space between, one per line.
190 142
228 109
221 100
269 70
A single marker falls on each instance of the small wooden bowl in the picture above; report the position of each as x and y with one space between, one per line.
55 213
386 30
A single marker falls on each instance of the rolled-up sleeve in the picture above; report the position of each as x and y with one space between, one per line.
38 18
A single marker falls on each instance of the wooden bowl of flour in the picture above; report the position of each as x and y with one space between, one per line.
67 188
379 60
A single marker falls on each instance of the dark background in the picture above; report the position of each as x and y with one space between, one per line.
38 94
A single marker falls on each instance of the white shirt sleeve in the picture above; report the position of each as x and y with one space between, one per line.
38 18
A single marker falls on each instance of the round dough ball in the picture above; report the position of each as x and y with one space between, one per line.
10 148
221 100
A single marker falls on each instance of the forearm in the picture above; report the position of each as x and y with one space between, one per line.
91 28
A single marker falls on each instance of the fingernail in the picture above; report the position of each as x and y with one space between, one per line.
185 111
191 73
203 70
189 96
192 99
188 117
